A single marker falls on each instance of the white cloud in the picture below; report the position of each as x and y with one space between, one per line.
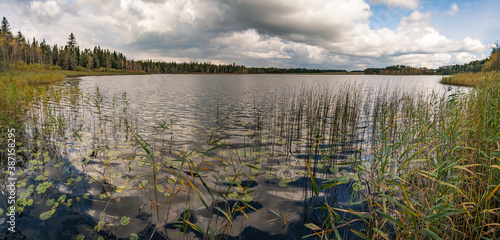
302 33
44 10
453 10
465 57
410 4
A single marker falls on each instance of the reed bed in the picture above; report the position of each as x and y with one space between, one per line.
469 79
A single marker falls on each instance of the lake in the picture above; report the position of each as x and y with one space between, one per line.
201 156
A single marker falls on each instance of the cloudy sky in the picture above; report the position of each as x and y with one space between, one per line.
327 34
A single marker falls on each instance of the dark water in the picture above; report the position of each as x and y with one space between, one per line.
241 147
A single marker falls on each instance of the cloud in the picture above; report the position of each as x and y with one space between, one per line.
315 34
453 10
44 11
410 4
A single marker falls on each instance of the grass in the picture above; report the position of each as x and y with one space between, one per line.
22 84
469 79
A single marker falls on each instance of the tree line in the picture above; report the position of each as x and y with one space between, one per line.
400 70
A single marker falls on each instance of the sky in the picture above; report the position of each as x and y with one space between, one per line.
324 34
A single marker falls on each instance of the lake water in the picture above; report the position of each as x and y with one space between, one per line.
234 154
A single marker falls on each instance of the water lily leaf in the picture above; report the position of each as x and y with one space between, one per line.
86 195
134 236
80 237
125 220
247 198
61 198
46 215
50 202
233 195
119 189
99 226
40 178
284 182
42 187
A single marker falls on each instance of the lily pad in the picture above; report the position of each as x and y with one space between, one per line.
134 236
125 220
46 215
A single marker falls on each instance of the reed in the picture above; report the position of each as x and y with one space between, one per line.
469 79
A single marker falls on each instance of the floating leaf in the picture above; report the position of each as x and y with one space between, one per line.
42 187
358 186
61 198
125 220
40 178
119 189
50 202
247 198
100 238
334 169
134 236
99 226
80 237
102 196
284 182
86 195
46 215
233 195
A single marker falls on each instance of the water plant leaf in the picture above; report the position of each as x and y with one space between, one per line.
80 237
99 226
46 215
40 178
61 198
134 236
357 186
50 202
42 187
125 220
233 195
247 198
284 182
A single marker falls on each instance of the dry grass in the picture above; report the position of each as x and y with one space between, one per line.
469 79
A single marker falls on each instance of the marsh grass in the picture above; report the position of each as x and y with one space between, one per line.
469 79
